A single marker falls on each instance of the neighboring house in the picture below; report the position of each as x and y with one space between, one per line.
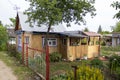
11 36
107 38
71 44
115 39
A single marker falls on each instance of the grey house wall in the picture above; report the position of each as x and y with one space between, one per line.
116 39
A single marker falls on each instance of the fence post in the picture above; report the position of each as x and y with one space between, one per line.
47 62
75 72
26 54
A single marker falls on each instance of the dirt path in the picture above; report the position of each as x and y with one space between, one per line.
6 72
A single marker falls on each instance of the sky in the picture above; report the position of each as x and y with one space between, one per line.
104 15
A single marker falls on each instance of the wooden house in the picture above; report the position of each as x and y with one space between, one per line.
11 36
107 39
115 39
71 44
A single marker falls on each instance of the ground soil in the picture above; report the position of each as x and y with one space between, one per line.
6 73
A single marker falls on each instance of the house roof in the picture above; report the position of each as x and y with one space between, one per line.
107 35
25 25
73 34
92 34
116 34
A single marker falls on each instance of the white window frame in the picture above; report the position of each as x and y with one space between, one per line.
50 40
27 39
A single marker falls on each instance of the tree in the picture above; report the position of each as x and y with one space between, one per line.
86 29
116 5
3 38
99 29
51 12
1 23
13 20
105 32
117 27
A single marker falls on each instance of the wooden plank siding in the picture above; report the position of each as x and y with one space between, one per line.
77 51
93 51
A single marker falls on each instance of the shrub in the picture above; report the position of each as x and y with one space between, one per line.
55 57
114 62
11 50
96 63
86 73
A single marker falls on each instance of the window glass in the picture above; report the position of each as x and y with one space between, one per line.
51 41
27 39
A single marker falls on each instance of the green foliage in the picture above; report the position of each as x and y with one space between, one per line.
116 5
118 72
110 48
59 77
55 57
117 27
86 29
86 73
13 20
3 38
105 32
37 64
83 73
96 63
53 12
114 62
11 50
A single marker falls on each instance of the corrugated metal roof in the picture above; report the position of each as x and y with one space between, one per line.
73 34
92 34
25 25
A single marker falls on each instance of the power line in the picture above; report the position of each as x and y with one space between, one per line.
10 3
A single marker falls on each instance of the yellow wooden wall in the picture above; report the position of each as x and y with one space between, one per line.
67 51
35 41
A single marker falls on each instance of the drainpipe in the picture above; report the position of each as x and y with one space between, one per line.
23 47
68 44
99 44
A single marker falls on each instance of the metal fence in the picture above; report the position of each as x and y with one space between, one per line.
35 59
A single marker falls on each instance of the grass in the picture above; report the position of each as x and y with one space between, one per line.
109 50
65 66
19 70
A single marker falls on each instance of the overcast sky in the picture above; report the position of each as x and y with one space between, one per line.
104 15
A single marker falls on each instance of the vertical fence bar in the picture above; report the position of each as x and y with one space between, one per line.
75 72
47 62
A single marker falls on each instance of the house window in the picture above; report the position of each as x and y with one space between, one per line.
74 41
84 41
27 39
51 41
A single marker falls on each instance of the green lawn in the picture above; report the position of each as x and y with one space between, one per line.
58 67
109 50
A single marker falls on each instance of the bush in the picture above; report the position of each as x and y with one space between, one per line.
11 50
86 73
96 63
114 62
55 57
